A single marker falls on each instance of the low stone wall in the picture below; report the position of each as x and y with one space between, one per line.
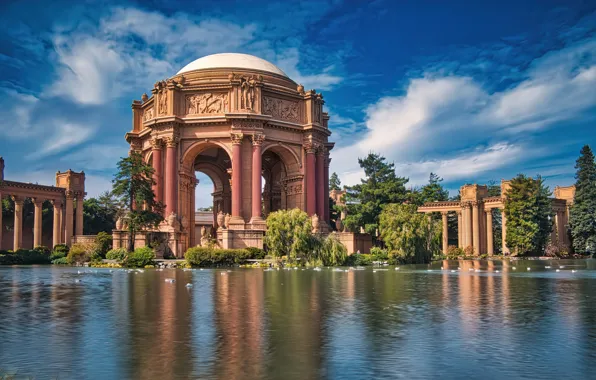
83 239
229 239
355 242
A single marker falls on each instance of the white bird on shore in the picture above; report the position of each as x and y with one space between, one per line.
514 268
558 270
529 268
497 271
562 266
547 267
189 285
573 271
397 268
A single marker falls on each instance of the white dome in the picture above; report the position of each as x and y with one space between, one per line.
232 61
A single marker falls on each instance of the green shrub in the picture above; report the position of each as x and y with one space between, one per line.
103 241
60 261
116 254
42 248
140 258
61 248
454 252
255 253
24 257
205 257
57 255
359 259
379 254
332 251
78 254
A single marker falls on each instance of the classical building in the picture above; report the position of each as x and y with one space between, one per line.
261 138
66 197
475 217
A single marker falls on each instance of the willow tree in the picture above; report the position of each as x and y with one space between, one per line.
133 186
529 215
410 236
583 211
289 233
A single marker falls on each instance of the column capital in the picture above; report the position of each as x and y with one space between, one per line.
444 212
69 194
321 150
171 141
56 203
310 147
37 202
156 143
257 139
17 200
458 212
488 211
237 138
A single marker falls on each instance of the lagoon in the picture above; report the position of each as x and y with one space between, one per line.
485 319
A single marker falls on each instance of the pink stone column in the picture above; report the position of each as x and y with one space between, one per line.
237 139
37 223
327 161
257 141
57 224
68 218
1 225
311 204
18 224
157 169
445 232
171 176
320 184
79 218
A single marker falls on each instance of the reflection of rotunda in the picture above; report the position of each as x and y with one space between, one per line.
240 120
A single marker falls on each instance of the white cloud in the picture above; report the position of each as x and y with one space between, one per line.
65 135
97 156
439 118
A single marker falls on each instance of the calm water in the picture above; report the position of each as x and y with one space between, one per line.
302 324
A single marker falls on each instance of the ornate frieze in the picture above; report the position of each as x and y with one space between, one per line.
148 114
246 124
206 103
248 91
281 109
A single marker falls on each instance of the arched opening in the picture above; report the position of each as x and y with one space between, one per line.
274 172
210 166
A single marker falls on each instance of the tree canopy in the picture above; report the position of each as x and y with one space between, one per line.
132 185
583 211
379 187
100 213
529 215
334 182
289 234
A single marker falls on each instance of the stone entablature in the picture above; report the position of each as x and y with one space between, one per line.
70 187
474 216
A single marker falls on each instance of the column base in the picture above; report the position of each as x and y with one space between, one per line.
236 223
258 223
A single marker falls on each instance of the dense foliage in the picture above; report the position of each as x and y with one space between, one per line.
139 258
25 257
379 188
100 214
103 243
529 215
334 182
133 187
79 254
210 257
289 234
410 236
116 254
583 211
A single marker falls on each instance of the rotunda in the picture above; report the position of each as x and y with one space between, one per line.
261 138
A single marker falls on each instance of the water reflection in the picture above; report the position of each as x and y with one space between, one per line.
466 319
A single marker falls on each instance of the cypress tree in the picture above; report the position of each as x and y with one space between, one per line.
529 215
583 211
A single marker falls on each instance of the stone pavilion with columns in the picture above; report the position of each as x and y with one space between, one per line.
475 217
66 197
260 137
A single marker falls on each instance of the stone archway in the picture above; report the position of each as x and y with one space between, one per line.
283 186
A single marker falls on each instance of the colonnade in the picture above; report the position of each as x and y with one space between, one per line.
316 177
65 225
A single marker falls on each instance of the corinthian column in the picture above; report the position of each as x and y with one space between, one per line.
468 219
171 176
476 228
157 150
320 183
18 223
326 191
489 232
68 224
257 141
460 242
311 205
445 232
505 250
237 139
37 222
79 219
57 223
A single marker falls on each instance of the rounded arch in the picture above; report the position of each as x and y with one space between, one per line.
216 173
288 156
196 148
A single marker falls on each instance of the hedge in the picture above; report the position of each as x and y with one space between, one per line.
206 257
24 257
140 258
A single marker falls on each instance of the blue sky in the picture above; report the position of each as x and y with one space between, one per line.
474 91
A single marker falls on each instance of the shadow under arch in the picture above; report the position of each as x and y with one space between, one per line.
288 156
195 149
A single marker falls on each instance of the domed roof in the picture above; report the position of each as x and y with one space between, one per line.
232 61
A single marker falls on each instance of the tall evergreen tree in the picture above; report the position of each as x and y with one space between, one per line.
379 187
583 211
433 191
133 186
529 215
334 182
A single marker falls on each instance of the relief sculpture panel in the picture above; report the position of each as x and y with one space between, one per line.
281 109
206 103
